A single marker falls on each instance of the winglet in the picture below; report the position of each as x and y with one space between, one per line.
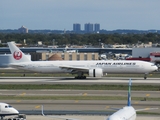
42 111
129 92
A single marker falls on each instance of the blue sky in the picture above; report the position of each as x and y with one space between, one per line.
61 14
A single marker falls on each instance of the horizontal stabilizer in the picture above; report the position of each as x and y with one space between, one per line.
114 108
146 109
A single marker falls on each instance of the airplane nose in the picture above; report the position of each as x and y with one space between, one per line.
16 111
156 68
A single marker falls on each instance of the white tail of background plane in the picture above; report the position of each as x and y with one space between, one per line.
129 93
18 55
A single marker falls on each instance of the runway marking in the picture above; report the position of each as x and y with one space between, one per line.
84 94
136 102
147 108
18 101
2 73
23 94
107 107
76 101
147 95
38 106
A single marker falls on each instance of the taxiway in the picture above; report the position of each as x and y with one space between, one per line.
88 81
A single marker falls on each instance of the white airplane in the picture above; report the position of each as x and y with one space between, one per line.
94 68
127 112
7 110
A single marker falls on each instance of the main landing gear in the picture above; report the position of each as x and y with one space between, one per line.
145 76
80 77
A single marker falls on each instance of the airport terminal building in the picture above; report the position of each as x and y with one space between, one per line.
39 53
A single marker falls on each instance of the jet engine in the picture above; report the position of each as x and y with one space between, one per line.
96 72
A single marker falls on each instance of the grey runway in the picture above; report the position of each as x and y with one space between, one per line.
79 105
69 80
88 117
49 92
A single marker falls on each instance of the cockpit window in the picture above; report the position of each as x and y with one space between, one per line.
152 64
10 106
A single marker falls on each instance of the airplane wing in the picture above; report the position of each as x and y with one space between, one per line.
114 108
63 118
16 66
84 69
146 109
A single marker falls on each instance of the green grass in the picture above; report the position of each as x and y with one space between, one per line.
79 87
24 97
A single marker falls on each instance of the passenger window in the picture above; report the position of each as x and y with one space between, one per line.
6 106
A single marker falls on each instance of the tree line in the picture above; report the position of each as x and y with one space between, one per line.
80 39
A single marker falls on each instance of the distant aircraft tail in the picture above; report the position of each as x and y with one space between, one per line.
18 55
129 98
42 111
129 93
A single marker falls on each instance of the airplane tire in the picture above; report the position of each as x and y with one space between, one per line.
80 77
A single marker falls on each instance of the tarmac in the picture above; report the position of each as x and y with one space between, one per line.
32 105
81 117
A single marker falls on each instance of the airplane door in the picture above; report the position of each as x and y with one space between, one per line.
0 108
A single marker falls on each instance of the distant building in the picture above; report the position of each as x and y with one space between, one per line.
76 27
23 30
96 27
64 56
88 27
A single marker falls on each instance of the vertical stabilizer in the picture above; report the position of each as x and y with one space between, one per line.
17 54
129 93
42 110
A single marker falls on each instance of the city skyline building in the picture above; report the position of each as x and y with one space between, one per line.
88 27
96 27
76 27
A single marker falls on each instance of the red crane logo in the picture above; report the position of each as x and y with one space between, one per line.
17 55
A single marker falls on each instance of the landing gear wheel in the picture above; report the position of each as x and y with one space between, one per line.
80 77
145 76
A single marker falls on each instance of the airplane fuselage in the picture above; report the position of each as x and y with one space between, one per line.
117 66
126 113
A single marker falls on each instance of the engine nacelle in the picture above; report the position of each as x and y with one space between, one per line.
96 72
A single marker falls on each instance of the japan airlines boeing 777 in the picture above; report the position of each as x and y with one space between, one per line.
127 112
94 68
